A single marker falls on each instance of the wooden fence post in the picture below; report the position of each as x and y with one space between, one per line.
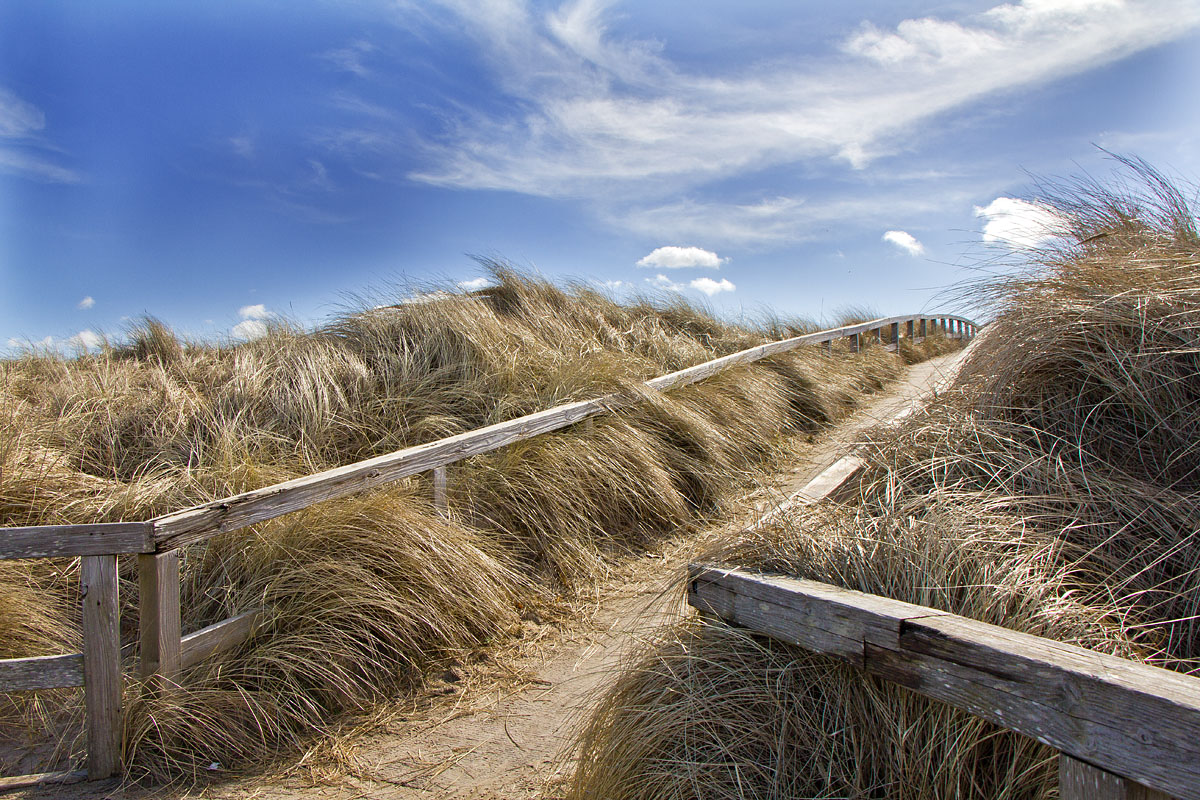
101 664
439 491
159 624
878 335
910 332
855 343
1078 780
829 347
896 334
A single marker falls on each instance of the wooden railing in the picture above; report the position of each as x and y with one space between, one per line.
1124 729
164 651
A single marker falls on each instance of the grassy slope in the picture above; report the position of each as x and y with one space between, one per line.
364 594
1056 491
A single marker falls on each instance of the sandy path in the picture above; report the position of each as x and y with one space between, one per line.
512 745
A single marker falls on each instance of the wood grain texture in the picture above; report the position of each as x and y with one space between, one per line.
51 541
41 672
101 664
1081 781
159 625
219 637
1131 719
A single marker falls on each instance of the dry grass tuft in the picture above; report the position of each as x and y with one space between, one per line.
1056 491
362 596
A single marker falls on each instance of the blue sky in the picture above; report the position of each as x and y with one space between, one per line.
214 164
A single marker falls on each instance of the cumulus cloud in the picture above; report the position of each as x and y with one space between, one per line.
905 241
254 322
1018 224
474 284
706 285
85 340
711 287
674 257
14 342
249 329
661 281
85 303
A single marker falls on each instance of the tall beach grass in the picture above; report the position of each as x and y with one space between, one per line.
1054 490
362 596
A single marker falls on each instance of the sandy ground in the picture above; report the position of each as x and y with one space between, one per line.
487 736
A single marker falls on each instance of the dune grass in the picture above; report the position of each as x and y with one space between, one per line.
1055 490
362 595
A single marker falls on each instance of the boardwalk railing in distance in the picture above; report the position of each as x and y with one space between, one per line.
163 649
1123 729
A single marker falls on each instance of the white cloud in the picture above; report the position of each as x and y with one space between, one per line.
22 123
350 58
605 116
18 118
673 257
14 342
249 329
39 169
905 241
85 340
711 287
661 281
614 285
474 284
1018 224
254 322
256 311
86 303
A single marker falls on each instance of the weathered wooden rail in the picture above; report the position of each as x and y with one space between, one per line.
163 649
1124 729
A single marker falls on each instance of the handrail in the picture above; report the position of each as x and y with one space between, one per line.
1116 720
164 652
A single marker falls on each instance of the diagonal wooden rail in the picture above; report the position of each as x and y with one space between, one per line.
164 652
1126 729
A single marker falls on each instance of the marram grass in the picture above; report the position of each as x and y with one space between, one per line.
1055 490
362 595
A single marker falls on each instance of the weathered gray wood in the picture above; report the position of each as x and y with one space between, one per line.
1131 719
896 333
808 609
830 480
231 513
439 491
909 332
41 672
41 779
50 541
159 625
924 330
1078 780
101 664
219 637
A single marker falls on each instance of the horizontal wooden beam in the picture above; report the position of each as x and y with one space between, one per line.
41 672
1131 719
50 541
217 638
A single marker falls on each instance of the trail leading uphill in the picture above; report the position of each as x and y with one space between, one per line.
510 742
